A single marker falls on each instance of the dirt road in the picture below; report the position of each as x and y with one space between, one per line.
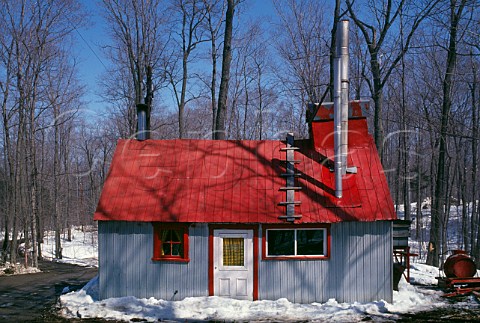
32 297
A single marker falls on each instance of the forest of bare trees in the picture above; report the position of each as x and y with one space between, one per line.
213 69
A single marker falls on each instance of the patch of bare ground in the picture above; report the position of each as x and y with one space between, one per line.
32 297
461 309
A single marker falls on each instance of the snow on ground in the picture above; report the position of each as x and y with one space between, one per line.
18 269
408 299
82 250
422 274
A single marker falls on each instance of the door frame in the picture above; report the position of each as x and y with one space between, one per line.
211 276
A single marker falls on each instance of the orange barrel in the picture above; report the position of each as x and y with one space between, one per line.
459 265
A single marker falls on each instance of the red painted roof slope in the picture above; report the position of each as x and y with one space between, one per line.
239 181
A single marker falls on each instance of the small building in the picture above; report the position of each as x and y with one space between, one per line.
246 219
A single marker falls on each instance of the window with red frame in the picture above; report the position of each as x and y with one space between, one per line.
170 242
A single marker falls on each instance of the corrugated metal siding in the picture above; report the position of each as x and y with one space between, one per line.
359 269
126 268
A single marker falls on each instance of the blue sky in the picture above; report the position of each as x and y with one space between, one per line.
90 38
92 62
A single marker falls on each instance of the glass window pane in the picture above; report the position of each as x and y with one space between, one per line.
166 247
281 242
233 252
176 249
310 242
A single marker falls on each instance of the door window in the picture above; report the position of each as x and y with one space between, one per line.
233 252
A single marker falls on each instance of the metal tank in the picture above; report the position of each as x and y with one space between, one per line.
459 265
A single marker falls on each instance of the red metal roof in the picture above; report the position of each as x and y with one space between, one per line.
238 181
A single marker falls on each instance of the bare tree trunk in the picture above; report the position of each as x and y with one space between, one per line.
474 231
246 99
397 181
465 206
33 189
438 206
56 163
450 180
419 196
404 134
260 103
39 202
377 96
66 170
7 152
213 29
33 159
227 58
17 187
333 40
20 153
34 217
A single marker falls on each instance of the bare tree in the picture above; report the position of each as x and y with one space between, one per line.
137 55
214 16
304 54
225 78
378 36
456 11
300 45
187 34
6 84
34 33
252 91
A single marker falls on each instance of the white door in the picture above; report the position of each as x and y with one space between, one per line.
233 263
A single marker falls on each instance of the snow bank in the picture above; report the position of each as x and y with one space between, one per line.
85 304
412 299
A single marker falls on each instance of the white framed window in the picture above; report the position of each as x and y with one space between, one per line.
296 242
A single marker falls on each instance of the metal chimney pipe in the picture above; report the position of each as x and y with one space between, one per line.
337 121
342 51
340 89
143 132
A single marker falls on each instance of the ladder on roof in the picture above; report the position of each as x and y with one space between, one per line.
290 176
